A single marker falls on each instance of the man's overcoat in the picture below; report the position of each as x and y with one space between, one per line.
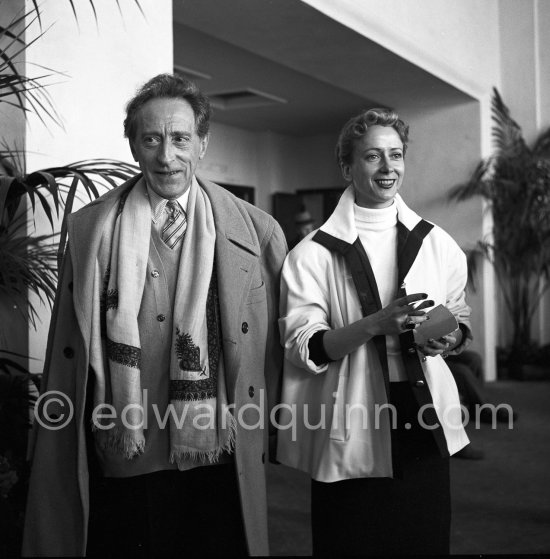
249 253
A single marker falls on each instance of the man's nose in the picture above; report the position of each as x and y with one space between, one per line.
165 153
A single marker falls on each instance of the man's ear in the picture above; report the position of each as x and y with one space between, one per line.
203 145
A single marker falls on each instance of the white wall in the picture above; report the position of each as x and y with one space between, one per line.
104 64
456 40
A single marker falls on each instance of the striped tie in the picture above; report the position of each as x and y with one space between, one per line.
173 230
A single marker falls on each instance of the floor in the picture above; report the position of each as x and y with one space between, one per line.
501 504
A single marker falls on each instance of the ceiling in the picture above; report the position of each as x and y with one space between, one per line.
319 72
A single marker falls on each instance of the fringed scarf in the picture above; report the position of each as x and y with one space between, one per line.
201 425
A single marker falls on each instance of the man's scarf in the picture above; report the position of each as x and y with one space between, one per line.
201 425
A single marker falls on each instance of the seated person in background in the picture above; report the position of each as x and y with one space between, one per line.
467 370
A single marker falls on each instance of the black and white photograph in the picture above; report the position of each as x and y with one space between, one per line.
274 278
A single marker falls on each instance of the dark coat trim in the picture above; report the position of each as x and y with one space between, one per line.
408 247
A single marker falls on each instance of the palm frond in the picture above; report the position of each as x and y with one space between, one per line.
61 184
26 263
473 258
515 181
16 88
507 133
477 185
541 147
56 189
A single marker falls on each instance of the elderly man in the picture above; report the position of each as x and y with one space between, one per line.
164 341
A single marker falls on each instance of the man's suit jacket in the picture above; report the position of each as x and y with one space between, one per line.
250 249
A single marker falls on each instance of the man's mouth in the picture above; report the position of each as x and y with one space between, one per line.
168 173
385 183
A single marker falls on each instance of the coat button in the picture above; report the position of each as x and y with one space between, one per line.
155 273
412 350
251 391
244 327
161 317
68 352
419 383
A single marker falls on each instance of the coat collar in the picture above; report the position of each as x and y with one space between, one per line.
341 223
231 221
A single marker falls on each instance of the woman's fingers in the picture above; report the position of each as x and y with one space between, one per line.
408 299
424 305
436 347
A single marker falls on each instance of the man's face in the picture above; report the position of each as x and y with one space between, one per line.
167 146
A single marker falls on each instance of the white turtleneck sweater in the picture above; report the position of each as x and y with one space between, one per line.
377 230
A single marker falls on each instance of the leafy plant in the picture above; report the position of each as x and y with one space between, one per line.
515 181
17 89
56 188
28 262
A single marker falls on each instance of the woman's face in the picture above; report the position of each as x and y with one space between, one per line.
377 168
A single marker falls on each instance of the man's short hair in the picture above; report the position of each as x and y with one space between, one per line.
169 86
356 127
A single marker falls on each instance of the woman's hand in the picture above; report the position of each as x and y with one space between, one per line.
398 316
441 346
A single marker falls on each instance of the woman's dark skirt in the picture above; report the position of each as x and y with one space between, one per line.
409 514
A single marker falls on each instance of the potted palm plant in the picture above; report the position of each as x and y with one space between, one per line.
28 263
515 182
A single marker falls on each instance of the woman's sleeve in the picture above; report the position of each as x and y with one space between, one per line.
305 304
457 276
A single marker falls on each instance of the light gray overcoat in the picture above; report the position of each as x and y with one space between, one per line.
250 249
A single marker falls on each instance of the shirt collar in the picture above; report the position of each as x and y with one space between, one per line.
158 203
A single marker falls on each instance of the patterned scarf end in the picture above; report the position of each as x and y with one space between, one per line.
182 453
120 442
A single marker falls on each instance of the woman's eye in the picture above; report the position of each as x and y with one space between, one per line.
397 155
372 157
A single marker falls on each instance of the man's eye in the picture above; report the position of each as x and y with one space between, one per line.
397 155
150 140
181 139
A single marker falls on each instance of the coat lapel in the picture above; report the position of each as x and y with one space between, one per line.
237 255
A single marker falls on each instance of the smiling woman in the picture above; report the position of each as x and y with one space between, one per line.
352 295
374 163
